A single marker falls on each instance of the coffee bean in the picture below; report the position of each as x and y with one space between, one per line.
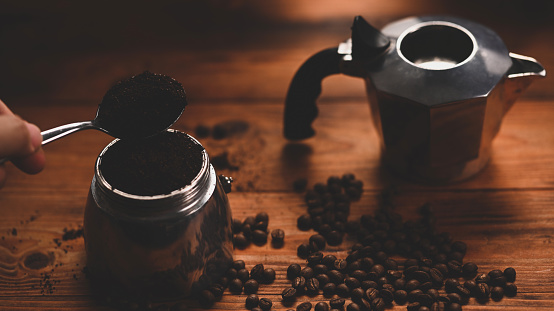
497 293
262 217
260 225
499 281
421 276
495 273
387 295
334 238
482 278
231 273
342 290
238 265
371 294
320 269
351 282
455 307
236 225
277 236
413 306
436 277
251 287
353 307
257 272
450 285
321 306
299 283
438 306
312 285
329 289
318 240
323 279
356 294
471 285
307 272
336 276
257 309
250 220
305 306
454 268
207 298
378 304
268 276
340 264
454 298
304 222
510 290
293 271
259 237
469 270
337 303
329 261
510 274
243 275
240 241
400 297
252 301
412 284
303 250
289 293
265 304
315 258
425 300
235 286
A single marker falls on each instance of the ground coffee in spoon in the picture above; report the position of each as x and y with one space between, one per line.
141 106
154 165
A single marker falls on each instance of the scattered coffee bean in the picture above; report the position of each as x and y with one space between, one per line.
289 293
510 274
277 237
268 276
243 275
257 272
235 286
321 306
497 293
251 286
312 285
305 306
353 307
299 283
510 290
293 271
259 237
252 301
265 304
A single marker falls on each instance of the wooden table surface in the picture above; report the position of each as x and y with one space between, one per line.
236 59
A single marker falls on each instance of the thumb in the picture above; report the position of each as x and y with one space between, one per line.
15 137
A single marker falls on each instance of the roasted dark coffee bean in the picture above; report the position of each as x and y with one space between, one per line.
250 220
454 268
433 293
387 295
217 290
257 272
257 309
421 276
426 286
438 306
482 291
321 306
329 289
340 264
320 269
318 240
378 304
337 303
482 278
262 217
243 275
231 273
510 290
236 225
413 306
299 282
443 268
259 236
251 286
277 236
408 271
495 273
462 291
323 279
307 272
378 269
312 285
371 294
353 307
360 275
454 298
315 258
251 301
293 271
265 304
499 281
469 270
450 285
336 276
436 277
412 296
367 284
329 261
510 274
455 307
399 284
238 265
304 222
356 294
235 286
471 285
303 250
351 282
240 241
497 293
268 275
289 293
412 284
342 290
400 296
305 306
260 225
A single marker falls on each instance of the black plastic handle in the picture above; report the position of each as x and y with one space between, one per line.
300 104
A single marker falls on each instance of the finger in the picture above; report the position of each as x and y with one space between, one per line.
4 109
15 137
33 163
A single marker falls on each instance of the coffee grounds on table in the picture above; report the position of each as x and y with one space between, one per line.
142 105
152 166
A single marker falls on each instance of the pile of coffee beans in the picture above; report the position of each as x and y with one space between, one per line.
391 262
253 229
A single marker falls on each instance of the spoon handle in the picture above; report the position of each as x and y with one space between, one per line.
61 131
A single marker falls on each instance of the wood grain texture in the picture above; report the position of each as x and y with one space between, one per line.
236 60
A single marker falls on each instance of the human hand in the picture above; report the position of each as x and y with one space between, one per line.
20 142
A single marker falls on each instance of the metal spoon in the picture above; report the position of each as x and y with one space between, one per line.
161 100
